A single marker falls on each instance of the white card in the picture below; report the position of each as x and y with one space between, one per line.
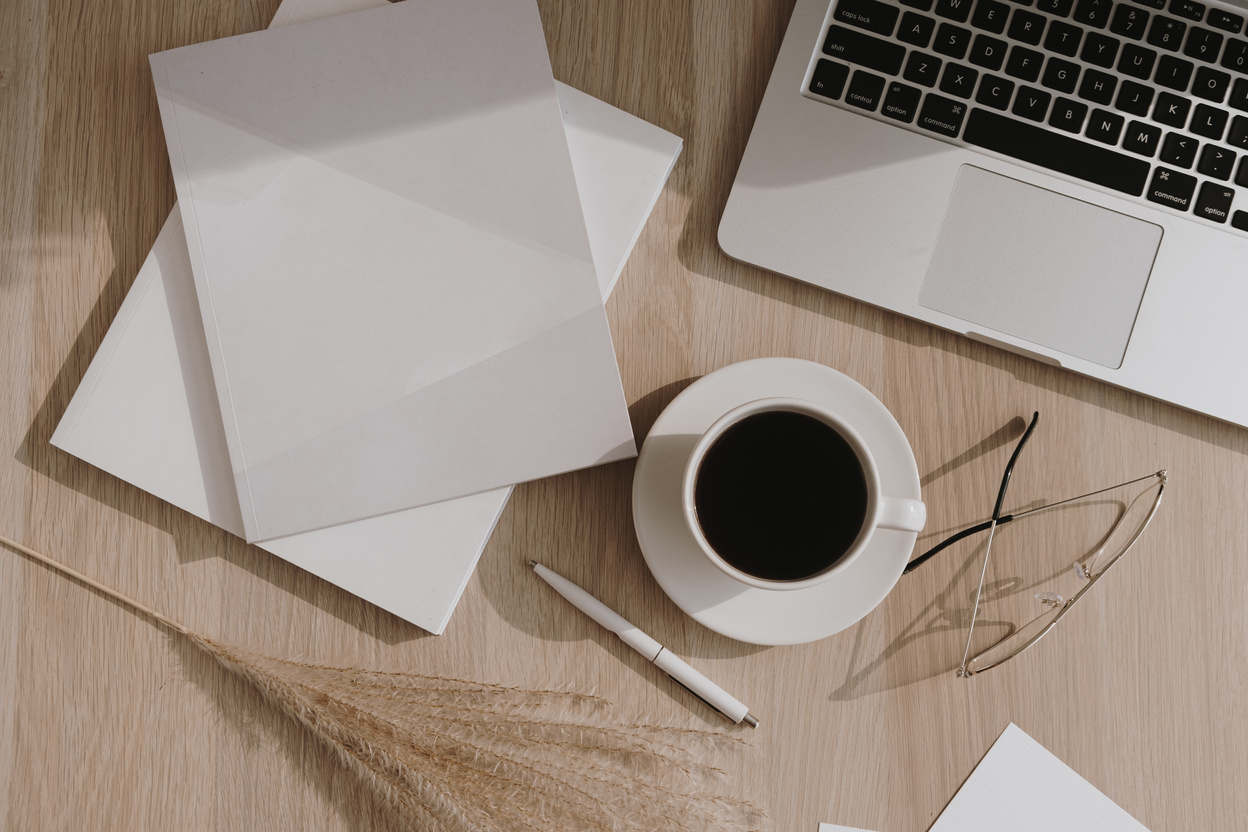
1022 787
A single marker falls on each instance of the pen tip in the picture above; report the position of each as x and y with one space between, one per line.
532 564
750 720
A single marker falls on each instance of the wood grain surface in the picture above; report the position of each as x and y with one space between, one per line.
107 723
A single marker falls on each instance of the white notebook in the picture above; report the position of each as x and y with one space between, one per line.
146 410
390 259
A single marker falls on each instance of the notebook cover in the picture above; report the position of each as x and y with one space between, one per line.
390 259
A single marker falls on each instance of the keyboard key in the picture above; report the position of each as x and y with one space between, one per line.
865 90
1171 188
1152 4
865 50
1239 94
1068 115
1216 162
1235 56
871 15
995 92
1098 86
1203 45
1099 50
1240 220
1024 63
1129 22
942 115
1238 137
1060 8
829 78
1226 21
1031 103
922 69
1063 38
958 10
921 5
1093 13
952 41
959 80
1214 201
1061 75
1241 175
1056 152
990 16
1134 98
1209 122
1171 110
1137 61
1027 27
916 29
1190 9
1210 84
1173 72
1166 33
901 102
1104 126
1142 138
1179 150
988 52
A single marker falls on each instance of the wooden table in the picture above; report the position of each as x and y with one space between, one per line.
108 723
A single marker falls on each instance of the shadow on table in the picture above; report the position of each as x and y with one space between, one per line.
193 539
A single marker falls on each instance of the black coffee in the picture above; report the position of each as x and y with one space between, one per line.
781 496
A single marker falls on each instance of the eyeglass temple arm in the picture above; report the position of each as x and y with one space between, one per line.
949 541
996 511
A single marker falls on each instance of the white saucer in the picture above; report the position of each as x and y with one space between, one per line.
762 616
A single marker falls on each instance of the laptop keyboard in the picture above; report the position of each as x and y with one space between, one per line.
1147 98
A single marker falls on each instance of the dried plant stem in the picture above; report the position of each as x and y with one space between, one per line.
109 591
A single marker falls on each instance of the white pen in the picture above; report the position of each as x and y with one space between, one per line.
680 671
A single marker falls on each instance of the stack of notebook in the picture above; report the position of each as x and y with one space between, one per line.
380 301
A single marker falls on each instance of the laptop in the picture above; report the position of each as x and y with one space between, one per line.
1064 179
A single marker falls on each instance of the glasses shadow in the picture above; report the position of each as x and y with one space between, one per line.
934 640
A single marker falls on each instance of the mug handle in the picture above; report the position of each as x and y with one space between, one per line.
902 514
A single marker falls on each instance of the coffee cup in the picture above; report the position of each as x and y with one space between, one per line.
783 494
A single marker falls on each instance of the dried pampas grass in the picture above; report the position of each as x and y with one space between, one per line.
449 755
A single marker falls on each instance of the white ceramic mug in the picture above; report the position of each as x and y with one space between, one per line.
882 510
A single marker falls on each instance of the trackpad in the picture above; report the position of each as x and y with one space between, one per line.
1040 266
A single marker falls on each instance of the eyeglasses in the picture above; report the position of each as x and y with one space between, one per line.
1125 531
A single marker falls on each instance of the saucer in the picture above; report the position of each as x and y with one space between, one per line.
764 616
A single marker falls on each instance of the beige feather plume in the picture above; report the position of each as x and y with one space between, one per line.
449 755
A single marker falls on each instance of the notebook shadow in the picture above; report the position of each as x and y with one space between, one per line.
193 539
583 522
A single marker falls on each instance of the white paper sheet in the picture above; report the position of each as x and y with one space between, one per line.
1022 787
146 410
390 259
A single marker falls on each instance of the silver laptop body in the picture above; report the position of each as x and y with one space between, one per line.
971 203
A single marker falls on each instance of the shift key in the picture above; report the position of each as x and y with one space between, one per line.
871 15
864 50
